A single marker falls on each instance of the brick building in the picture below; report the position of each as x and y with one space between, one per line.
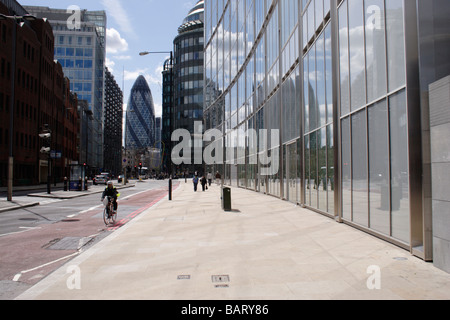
41 97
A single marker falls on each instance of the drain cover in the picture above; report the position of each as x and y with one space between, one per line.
220 279
400 259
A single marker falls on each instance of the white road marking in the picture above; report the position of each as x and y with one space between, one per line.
17 276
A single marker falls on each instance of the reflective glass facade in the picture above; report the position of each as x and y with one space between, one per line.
339 80
140 132
188 82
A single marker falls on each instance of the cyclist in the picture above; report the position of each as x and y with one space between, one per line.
112 192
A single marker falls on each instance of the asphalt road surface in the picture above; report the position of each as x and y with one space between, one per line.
38 240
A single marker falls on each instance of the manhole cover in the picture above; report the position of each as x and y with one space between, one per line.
220 278
400 259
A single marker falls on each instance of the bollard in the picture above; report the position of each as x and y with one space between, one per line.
226 199
170 188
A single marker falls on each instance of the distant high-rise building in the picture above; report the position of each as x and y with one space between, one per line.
113 125
140 132
188 76
81 51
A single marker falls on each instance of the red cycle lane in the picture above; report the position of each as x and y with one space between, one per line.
30 256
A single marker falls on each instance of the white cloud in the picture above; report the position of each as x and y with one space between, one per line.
133 75
110 64
114 42
122 57
158 109
118 13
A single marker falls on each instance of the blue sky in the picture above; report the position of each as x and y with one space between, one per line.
134 26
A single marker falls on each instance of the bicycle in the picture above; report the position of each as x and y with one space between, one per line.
109 215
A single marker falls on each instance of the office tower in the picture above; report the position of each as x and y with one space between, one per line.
188 76
345 84
140 132
80 49
113 125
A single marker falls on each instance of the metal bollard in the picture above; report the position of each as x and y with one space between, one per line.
170 188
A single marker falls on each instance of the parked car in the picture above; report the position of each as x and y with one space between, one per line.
100 179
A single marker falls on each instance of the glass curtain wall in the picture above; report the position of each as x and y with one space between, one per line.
373 116
318 106
330 76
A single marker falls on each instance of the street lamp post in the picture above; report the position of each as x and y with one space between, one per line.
46 135
144 53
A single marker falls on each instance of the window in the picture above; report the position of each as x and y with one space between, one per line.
87 64
70 52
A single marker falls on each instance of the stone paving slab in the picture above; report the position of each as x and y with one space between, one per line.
266 249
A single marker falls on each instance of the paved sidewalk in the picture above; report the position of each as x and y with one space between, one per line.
31 201
189 249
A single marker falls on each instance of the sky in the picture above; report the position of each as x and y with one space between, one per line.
134 26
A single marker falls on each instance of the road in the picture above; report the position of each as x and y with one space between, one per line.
36 241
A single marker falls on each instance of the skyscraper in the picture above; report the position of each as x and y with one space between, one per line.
113 125
188 75
140 132
81 50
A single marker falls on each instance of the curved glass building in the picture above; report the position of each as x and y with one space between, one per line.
188 76
346 85
141 122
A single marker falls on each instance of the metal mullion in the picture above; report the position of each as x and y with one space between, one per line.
388 110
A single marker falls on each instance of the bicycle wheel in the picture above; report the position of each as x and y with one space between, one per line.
106 216
113 218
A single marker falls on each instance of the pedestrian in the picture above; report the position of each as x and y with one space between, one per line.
204 182
218 178
195 181
209 177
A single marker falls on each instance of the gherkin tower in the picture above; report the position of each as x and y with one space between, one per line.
140 121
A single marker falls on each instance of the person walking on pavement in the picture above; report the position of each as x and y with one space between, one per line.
204 182
218 178
209 177
195 181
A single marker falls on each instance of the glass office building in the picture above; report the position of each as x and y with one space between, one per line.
188 77
345 84
140 130
81 50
